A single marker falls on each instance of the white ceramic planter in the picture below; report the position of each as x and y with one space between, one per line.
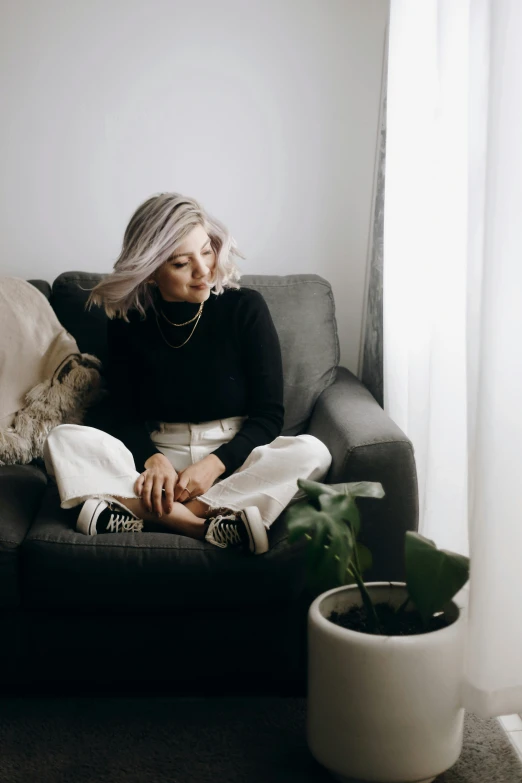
384 709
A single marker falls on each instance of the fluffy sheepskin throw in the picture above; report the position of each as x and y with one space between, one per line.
44 379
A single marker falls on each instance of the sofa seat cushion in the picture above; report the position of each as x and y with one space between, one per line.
152 570
21 489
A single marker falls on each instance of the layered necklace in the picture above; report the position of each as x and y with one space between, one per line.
186 323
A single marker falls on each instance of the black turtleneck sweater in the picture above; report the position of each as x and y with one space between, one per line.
231 366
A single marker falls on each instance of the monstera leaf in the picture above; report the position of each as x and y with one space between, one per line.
433 576
329 519
330 542
356 489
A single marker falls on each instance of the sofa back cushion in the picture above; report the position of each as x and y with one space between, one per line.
302 308
43 286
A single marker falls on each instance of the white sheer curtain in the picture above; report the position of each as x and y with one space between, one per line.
452 301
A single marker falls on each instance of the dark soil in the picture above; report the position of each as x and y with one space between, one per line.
392 624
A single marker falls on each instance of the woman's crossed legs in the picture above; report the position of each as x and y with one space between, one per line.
88 463
186 519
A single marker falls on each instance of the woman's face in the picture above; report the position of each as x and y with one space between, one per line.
185 276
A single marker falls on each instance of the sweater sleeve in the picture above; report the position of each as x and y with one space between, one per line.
261 359
129 425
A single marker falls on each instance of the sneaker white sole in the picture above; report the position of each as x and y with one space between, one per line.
88 516
256 530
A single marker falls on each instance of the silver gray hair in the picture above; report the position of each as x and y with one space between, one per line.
156 229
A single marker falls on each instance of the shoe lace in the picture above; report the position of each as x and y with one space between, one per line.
119 523
224 532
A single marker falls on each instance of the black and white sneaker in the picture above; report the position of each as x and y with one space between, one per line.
102 516
240 529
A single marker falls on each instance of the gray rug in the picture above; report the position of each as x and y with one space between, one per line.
194 740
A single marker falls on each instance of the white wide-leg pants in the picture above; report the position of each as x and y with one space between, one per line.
87 462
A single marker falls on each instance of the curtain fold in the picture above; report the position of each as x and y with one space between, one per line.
452 313
372 358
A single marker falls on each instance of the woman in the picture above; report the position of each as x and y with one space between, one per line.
196 383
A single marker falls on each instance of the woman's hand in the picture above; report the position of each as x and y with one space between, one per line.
198 478
156 484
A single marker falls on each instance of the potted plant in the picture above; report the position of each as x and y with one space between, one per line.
384 658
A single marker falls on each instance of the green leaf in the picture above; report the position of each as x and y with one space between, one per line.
315 525
329 519
359 489
355 518
339 554
315 553
433 576
300 519
364 557
314 490
362 489
330 541
341 508
335 504
325 564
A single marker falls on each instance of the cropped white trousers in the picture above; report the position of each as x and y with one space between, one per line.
87 462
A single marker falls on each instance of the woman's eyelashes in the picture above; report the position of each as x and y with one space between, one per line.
180 265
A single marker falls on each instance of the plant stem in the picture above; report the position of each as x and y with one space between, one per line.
355 572
367 601
355 553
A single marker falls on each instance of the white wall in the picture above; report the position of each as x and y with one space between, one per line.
266 111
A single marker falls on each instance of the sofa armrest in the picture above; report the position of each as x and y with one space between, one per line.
366 445
21 490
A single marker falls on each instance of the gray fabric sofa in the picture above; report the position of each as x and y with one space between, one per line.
163 612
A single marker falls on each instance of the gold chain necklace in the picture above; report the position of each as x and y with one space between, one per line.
186 322
190 335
